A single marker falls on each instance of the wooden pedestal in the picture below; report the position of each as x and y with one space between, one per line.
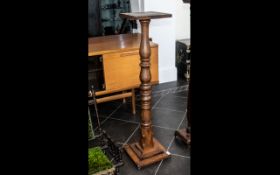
148 150
143 157
185 133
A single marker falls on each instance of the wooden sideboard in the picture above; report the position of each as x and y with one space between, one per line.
120 59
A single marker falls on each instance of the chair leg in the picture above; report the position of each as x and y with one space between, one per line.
133 102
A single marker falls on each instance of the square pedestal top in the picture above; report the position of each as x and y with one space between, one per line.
144 15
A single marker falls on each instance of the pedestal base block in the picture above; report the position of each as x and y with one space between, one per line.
144 157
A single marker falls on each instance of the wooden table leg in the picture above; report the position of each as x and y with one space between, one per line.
148 150
133 101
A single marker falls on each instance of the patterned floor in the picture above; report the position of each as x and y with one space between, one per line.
169 105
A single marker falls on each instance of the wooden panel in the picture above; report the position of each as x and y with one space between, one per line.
114 43
122 69
154 65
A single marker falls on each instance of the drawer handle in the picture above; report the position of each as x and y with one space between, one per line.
129 54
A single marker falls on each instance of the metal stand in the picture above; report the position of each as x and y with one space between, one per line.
101 139
185 133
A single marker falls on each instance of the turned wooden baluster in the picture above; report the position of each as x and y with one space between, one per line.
145 87
147 150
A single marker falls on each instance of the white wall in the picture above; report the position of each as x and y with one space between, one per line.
162 31
182 19
137 5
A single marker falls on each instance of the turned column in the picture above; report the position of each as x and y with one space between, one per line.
145 87
147 150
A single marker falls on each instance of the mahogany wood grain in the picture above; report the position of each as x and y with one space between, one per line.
114 43
147 150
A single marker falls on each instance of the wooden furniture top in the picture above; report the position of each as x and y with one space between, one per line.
114 43
145 15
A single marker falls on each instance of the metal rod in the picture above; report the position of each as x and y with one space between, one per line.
95 106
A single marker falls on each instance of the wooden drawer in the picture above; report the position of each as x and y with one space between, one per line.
122 69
